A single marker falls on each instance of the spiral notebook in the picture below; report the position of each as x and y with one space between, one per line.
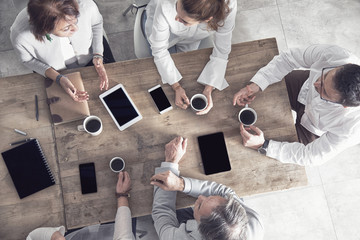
28 168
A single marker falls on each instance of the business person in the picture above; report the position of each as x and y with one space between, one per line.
218 212
122 226
51 35
326 98
182 25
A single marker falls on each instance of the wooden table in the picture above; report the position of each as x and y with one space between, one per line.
141 145
44 208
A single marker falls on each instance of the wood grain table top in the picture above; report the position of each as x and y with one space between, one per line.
142 144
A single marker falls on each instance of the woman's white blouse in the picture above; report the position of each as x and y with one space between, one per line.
163 32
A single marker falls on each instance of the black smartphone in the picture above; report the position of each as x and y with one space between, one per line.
160 99
214 153
87 178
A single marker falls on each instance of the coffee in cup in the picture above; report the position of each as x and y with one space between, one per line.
117 164
92 125
247 116
198 102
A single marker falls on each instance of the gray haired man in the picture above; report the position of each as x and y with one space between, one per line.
218 212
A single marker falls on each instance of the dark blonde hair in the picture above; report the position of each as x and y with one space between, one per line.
202 10
44 14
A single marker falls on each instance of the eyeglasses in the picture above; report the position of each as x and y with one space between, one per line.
322 79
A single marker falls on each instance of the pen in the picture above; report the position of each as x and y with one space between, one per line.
36 108
20 132
22 141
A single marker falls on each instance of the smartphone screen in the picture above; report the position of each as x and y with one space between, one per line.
160 99
214 153
87 178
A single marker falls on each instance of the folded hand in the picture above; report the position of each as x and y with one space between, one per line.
175 149
168 181
76 95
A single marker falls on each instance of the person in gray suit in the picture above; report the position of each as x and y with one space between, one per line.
218 213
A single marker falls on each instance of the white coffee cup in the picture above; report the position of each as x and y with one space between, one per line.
92 125
197 102
247 116
117 164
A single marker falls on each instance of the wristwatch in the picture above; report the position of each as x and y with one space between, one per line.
263 148
122 195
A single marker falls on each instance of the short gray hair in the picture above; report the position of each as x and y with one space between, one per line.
227 221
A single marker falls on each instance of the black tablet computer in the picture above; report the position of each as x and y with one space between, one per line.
214 153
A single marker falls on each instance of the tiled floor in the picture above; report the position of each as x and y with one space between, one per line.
326 209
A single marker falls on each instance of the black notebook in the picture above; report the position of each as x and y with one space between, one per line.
28 168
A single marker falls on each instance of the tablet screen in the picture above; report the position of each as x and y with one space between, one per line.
120 106
213 153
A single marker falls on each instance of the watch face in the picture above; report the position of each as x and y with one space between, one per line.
262 150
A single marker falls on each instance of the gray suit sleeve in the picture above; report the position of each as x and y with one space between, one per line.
164 209
195 187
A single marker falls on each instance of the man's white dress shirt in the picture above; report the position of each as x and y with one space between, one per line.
338 127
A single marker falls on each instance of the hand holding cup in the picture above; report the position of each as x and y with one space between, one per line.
124 183
250 140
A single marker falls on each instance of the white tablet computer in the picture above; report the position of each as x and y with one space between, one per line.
120 107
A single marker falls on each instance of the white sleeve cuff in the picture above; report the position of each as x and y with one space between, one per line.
187 185
165 166
213 73
170 165
273 149
262 84
167 69
44 233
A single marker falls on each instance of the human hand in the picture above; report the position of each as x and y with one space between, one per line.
246 95
181 100
168 181
175 149
124 183
57 236
76 95
100 69
207 92
253 141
